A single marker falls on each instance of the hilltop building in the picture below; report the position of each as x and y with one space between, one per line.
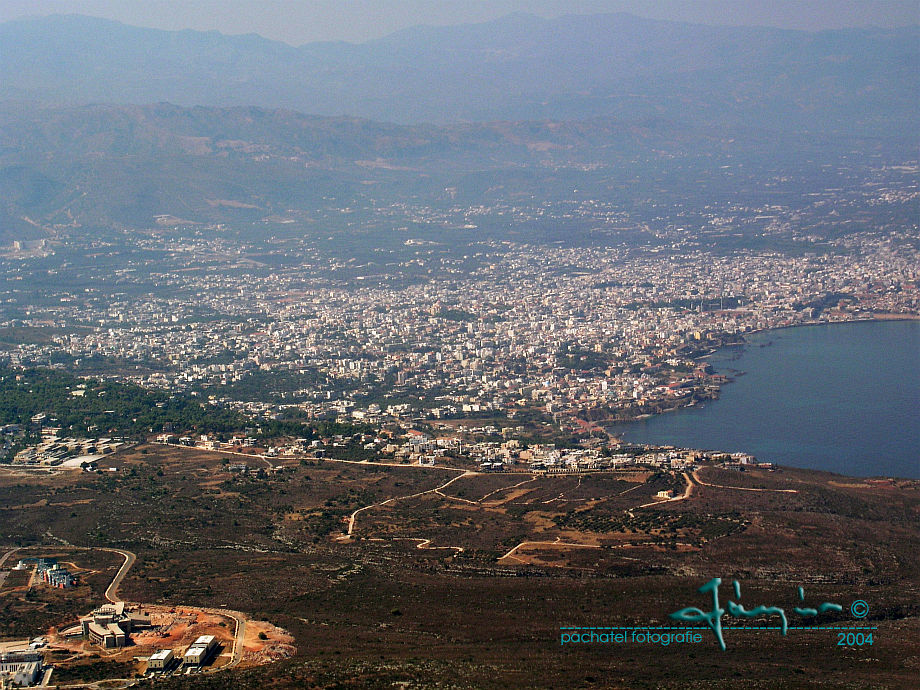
55 575
200 651
20 669
110 626
160 660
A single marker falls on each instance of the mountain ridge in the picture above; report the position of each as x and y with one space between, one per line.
855 81
125 164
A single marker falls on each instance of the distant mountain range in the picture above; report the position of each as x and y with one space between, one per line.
859 81
125 164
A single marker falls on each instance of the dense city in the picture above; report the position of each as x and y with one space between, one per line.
564 335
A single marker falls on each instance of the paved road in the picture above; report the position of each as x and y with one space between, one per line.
251 456
239 634
395 464
5 556
269 464
111 592
236 653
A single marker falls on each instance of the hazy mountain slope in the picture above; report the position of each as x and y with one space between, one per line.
518 67
127 164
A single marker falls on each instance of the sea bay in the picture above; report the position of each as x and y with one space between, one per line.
838 397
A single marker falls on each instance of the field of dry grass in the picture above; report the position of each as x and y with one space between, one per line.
390 606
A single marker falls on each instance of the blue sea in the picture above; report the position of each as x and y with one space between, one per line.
838 397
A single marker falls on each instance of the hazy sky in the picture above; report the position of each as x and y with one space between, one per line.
302 21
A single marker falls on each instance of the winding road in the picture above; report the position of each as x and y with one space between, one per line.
111 594
354 516
557 542
688 492
9 553
699 481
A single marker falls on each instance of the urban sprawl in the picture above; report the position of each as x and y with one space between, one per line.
508 334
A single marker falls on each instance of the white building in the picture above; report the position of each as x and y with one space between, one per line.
20 669
199 651
160 660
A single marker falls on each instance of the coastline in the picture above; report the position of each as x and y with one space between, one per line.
832 383
882 317
886 317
